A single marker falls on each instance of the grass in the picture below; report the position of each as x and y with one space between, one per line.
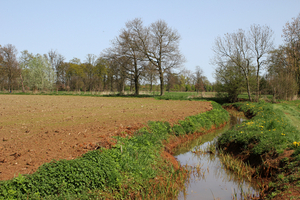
245 96
268 131
168 95
292 109
208 96
237 166
269 142
132 169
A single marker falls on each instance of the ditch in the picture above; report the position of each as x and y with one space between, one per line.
209 178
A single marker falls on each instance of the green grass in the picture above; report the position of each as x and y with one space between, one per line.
292 111
268 131
126 171
177 95
191 96
245 96
263 138
167 96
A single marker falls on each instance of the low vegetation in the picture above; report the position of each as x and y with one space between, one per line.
268 142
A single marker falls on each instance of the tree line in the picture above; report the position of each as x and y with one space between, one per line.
140 56
241 56
148 58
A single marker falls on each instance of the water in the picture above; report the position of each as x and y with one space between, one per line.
212 181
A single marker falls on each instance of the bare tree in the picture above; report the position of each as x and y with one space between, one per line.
234 48
160 44
150 74
90 64
261 43
101 72
199 84
9 63
281 73
129 45
126 52
91 59
112 74
123 69
171 80
291 35
2 70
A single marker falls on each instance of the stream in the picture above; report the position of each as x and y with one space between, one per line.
213 181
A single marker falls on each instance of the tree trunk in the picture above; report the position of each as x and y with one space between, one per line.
274 95
9 85
257 81
161 77
248 88
136 79
111 84
151 83
23 89
130 82
257 89
136 86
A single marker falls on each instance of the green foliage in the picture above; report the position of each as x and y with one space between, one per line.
178 130
188 126
92 171
292 109
175 96
268 131
230 81
162 128
205 121
266 135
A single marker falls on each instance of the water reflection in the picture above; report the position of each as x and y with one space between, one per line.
209 179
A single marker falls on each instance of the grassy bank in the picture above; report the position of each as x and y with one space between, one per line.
270 143
207 96
135 167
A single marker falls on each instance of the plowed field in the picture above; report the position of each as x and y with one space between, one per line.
38 129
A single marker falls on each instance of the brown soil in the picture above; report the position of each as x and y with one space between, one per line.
38 129
171 159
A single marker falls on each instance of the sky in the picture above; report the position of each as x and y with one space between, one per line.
76 28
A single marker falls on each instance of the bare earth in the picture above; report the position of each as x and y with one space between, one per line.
38 129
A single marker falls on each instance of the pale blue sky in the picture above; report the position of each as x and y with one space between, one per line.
76 28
